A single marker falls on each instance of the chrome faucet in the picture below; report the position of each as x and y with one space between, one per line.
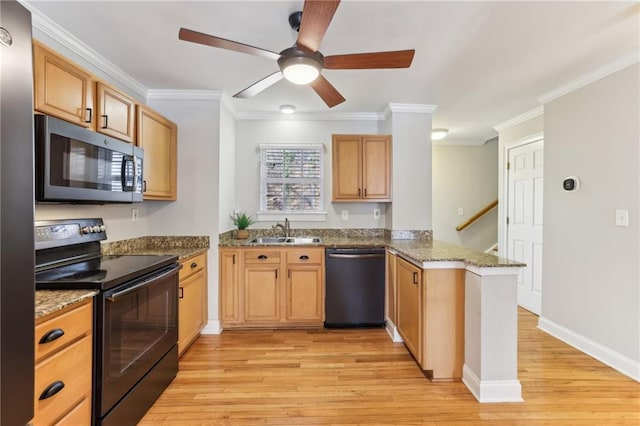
286 228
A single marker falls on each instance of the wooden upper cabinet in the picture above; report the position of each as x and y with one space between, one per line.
361 168
159 138
61 88
115 112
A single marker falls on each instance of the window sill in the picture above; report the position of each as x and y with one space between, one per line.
297 216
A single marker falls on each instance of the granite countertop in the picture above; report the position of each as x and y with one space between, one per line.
416 250
183 247
50 301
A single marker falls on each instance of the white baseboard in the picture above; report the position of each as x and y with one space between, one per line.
613 359
492 390
393 331
212 327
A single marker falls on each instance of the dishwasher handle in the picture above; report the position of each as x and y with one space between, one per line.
356 256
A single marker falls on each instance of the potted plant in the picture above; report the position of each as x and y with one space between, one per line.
242 221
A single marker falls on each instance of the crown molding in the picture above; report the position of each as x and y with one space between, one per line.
336 116
190 95
46 26
460 142
536 112
226 101
588 78
413 108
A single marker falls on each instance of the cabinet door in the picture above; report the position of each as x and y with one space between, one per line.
376 168
230 290
262 293
409 280
346 167
158 137
62 89
191 320
391 287
305 294
115 113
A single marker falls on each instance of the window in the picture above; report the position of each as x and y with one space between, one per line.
291 181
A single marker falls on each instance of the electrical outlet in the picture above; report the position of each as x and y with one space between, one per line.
345 214
376 213
134 215
460 211
622 217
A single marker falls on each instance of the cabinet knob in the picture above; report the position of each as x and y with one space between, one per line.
304 257
194 265
262 256
51 390
52 335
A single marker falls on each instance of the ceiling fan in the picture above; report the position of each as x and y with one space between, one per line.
302 63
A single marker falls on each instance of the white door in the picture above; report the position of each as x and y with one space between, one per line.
524 228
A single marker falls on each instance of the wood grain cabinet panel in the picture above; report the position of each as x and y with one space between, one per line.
230 293
61 88
116 113
361 169
409 314
158 137
63 368
192 300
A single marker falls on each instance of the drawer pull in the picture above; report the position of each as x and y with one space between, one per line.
304 257
106 121
181 293
262 256
194 265
51 390
415 278
52 335
90 116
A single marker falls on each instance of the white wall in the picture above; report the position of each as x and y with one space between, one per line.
251 133
196 210
226 171
591 280
465 177
411 181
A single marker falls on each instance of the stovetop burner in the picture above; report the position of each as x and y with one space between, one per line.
68 257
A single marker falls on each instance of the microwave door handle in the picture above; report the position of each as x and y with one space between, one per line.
123 174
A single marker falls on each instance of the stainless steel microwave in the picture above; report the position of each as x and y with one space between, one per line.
77 165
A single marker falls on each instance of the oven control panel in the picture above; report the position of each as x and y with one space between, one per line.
57 233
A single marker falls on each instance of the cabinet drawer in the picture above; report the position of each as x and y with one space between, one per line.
305 256
262 256
71 366
79 415
70 326
192 265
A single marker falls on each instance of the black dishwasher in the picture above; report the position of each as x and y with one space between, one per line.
355 280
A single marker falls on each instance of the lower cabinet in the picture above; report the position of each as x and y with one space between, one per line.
63 365
271 287
430 317
192 300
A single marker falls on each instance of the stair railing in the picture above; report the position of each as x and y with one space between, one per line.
477 216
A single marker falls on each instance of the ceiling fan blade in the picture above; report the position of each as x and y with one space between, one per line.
326 91
316 17
223 43
394 59
260 85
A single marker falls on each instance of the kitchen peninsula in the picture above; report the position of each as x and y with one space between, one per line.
478 325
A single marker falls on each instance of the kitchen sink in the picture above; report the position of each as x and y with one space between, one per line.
284 240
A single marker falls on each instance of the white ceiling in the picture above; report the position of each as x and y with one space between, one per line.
481 62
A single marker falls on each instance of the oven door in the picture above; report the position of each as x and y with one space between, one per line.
139 326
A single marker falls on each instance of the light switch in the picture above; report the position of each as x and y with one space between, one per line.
622 217
376 213
460 211
134 215
345 214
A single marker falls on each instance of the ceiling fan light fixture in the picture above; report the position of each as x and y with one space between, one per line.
301 72
287 109
438 134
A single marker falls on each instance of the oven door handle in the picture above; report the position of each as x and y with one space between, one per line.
118 295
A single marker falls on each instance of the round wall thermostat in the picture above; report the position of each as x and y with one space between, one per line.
571 183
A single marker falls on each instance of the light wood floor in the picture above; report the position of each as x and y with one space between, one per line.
355 377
